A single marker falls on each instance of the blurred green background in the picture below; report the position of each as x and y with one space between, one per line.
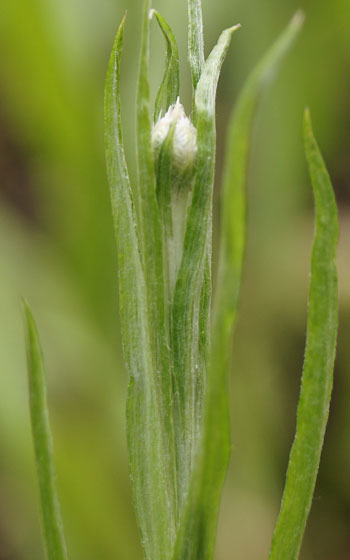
57 249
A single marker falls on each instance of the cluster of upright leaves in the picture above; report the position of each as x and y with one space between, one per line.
177 356
164 319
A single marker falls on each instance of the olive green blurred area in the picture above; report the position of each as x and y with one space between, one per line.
57 249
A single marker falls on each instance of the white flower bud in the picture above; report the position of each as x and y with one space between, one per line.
184 146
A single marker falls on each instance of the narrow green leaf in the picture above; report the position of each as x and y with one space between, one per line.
164 182
154 268
170 87
195 40
55 546
317 378
190 306
199 218
131 281
149 455
197 534
232 235
151 241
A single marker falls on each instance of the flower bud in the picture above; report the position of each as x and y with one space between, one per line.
184 144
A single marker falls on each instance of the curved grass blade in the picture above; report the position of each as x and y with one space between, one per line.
317 378
195 40
148 455
170 87
55 546
200 517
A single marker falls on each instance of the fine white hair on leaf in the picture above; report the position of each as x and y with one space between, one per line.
184 145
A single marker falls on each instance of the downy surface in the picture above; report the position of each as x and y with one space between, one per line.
177 357
177 411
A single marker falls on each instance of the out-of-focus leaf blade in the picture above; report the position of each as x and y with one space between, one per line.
149 461
317 378
197 535
232 234
55 546
195 40
170 86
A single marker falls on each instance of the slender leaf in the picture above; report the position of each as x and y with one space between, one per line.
149 461
131 282
186 305
195 40
202 306
55 546
232 234
170 86
155 271
197 535
317 378
164 182
151 245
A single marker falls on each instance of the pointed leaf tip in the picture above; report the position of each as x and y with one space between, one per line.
298 18
52 526
169 89
317 377
307 124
